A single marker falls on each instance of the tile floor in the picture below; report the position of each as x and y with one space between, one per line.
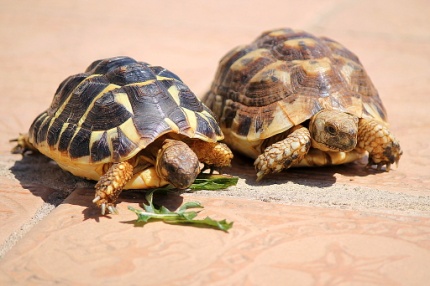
330 226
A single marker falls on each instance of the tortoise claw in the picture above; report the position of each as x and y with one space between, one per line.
112 210
96 199
211 168
379 166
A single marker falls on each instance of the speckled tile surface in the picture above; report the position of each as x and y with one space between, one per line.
328 226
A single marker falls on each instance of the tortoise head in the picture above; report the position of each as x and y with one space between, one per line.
177 164
333 130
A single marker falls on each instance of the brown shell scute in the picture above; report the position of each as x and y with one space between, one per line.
116 108
285 77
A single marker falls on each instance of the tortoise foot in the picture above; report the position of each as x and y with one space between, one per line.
110 186
384 149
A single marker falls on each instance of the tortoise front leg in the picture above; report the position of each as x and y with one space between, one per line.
376 138
285 153
111 184
212 155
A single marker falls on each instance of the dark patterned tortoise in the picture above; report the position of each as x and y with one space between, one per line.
292 99
128 125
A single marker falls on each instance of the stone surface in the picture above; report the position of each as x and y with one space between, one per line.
333 225
269 244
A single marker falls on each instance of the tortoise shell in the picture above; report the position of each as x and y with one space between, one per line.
282 79
115 109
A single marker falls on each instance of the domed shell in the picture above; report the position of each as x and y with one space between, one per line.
115 109
282 79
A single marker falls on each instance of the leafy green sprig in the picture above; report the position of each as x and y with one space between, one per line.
183 215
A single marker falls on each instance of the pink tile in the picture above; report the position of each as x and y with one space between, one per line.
268 243
18 208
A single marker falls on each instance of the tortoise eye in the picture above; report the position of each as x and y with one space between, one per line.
330 129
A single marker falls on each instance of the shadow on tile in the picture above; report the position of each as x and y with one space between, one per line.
36 172
313 177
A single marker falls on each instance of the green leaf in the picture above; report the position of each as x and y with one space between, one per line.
221 224
141 217
180 216
206 182
213 182
150 207
189 216
163 210
190 205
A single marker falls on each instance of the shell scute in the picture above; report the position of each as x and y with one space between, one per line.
106 65
42 124
54 132
121 145
105 114
76 104
129 74
80 144
162 72
151 105
66 137
189 101
64 90
100 148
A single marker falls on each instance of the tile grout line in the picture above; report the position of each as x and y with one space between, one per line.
54 200
343 197
17 235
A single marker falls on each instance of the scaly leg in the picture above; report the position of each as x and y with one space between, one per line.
212 155
285 153
375 138
111 184
23 144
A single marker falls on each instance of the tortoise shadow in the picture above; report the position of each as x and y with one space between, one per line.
35 171
320 177
45 179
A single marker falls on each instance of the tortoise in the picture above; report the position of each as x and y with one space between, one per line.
290 98
128 125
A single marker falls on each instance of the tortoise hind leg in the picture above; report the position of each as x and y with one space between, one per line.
23 144
212 155
111 184
376 138
285 153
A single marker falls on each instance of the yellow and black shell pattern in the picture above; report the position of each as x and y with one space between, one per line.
114 110
282 79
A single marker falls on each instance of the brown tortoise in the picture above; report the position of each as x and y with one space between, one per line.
292 99
128 125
